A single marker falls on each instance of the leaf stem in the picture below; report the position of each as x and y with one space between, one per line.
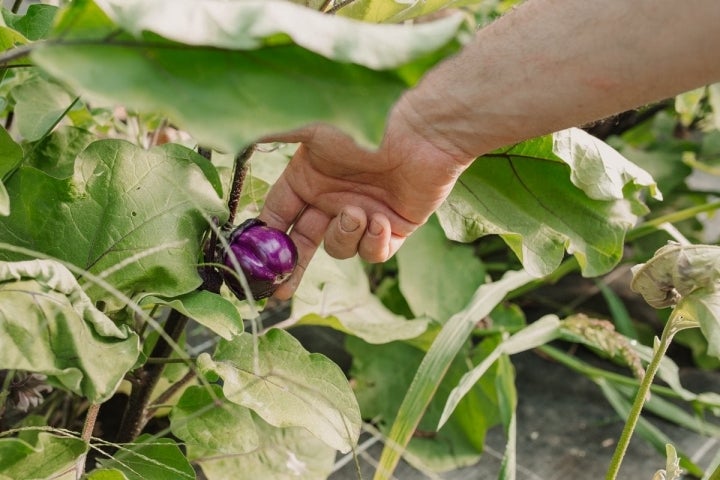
674 324
86 435
15 53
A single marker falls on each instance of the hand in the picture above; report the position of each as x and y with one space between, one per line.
356 200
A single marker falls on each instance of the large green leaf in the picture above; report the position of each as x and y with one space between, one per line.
544 196
137 214
55 154
336 293
151 458
217 426
287 386
50 326
46 457
209 309
687 277
392 11
231 72
437 277
283 454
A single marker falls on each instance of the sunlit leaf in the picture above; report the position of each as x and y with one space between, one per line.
46 457
208 309
287 386
567 192
687 277
221 427
121 202
231 72
148 457
336 293
50 326
283 454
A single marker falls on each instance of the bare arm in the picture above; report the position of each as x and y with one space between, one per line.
547 65
552 64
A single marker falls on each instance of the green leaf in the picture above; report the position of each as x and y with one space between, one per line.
447 344
212 423
383 373
287 386
35 23
10 157
208 309
537 333
230 73
148 457
392 11
131 215
336 293
10 39
437 277
56 153
105 474
46 457
39 105
284 454
548 195
50 326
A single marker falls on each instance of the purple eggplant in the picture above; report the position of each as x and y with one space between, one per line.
266 255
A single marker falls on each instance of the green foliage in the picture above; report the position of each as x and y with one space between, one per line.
108 205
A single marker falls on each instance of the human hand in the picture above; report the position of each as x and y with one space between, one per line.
355 200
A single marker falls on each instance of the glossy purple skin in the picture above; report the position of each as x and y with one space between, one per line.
266 255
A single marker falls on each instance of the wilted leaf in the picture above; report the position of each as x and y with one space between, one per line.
217 427
525 193
336 293
687 277
151 458
48 325
437 277
231 72
46 457
284 454
287 386
121 202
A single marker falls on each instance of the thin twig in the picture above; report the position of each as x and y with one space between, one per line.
338 6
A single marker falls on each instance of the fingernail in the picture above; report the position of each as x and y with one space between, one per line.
375 228
347 223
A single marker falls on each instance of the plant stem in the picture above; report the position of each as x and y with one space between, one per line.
672 326
237 181
146 379
85 436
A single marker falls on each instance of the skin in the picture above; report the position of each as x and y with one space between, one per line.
545 66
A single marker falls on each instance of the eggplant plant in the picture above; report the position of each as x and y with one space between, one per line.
138 338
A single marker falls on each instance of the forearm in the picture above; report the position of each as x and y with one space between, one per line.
552 64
